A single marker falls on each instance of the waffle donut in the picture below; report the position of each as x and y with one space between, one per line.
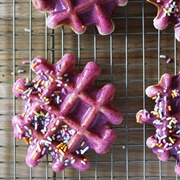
80 14
168 12
64 114
165 117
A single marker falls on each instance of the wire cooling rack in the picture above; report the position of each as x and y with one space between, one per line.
133 57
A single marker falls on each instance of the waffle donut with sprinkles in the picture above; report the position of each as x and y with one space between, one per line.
64 114
168 13
79 14
165 117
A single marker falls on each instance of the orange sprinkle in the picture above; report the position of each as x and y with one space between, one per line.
64 64
59 145
26 140
169 108
34 65
85 159
31 138
35 156
19 89
40 80
138 119
173 95
65 148
24 113
83 26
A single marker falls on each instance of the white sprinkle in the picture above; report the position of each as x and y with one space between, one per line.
84 150
160 150
83 162
45 141
162 56
49 138
18 128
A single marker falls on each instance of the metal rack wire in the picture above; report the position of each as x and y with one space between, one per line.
130 59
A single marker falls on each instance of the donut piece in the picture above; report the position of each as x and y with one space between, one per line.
165 117
64 114
168 12
79 14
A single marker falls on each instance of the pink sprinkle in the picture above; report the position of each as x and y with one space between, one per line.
26 62
169 60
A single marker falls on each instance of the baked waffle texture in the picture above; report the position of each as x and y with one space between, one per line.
168 13
64 114
165 117
79 14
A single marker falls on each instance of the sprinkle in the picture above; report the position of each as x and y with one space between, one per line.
160 150
24 113
19 89
57 123
49 138
38 147
35 156
169 108
45 142
18 128
153 145
83 162
59 145
39 60
34 65
26 140
138 118
168 60
21 71
51 78
84 150
30 131
61 151
50 148
72 161
83 27
53 129
172 141
43 151
65 148
169 118
82 143
162 56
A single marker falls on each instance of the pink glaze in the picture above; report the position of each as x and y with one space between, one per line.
168 13
80 14
64 114
165 118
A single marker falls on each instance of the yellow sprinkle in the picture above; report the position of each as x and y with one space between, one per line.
64 64
51 78
173 95
169 108
42 113
26 140
169 118
61 151
172 141
50 148
53 129
154 97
